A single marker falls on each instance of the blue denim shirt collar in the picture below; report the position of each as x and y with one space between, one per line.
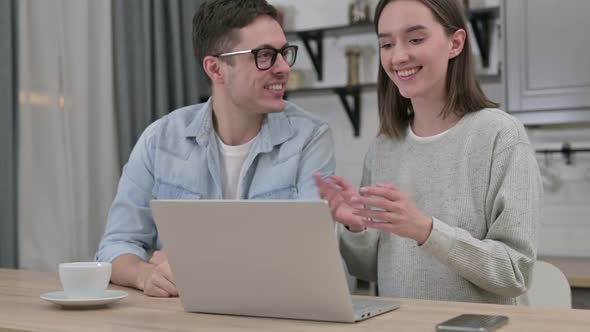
276 128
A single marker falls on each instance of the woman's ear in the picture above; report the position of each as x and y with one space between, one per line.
457 43
212 67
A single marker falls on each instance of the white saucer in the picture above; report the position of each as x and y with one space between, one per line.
60 298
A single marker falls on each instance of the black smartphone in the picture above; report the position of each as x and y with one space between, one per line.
472 323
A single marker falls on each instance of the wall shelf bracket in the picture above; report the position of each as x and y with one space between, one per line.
315 51
353 109
482 21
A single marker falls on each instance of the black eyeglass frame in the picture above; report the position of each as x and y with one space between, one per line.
266 48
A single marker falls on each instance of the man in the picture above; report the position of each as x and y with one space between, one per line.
246 142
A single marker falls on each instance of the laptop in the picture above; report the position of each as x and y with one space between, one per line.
267 258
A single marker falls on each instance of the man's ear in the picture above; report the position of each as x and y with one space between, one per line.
457 43
212 67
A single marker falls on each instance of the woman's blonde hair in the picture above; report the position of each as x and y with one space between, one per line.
464 92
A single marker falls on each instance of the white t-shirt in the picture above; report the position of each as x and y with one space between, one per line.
231 159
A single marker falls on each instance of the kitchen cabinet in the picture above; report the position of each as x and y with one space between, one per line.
548 60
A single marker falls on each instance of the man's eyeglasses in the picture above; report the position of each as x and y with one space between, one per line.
265 57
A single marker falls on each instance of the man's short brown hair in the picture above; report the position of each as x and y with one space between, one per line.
216 22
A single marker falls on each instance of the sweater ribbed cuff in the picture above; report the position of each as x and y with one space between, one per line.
441 240
358 239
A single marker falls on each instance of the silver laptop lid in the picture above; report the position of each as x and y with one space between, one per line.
255 258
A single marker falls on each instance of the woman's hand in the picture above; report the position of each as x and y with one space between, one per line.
338 193
396 213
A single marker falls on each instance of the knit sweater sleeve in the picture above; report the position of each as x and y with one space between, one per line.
501 262
359 250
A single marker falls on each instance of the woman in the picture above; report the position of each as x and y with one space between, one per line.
451 192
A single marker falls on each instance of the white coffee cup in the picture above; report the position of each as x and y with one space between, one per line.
84 280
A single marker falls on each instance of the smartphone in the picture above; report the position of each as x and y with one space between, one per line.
472 323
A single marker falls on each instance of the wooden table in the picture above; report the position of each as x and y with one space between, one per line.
21 309
576 269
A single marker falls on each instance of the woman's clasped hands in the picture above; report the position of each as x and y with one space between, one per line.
383 206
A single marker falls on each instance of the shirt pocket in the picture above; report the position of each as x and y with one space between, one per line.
165 190
289 192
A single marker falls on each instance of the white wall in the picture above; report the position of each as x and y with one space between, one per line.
566 224
565 228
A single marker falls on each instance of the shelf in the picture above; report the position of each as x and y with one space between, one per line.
336 31
489 78
313 40
323 90
350 97
485 11
482 21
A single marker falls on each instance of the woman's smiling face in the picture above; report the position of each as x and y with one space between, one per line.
414 49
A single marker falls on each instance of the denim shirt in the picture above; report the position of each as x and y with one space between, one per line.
177 157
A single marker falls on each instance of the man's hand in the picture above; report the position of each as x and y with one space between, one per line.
156 278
